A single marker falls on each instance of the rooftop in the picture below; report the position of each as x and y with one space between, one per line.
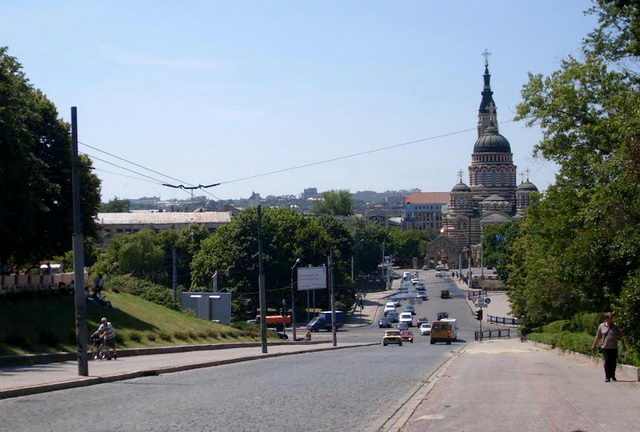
428 198
163 218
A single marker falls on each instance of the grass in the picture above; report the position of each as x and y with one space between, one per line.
41 325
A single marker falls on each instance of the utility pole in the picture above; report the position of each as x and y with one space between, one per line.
293 301
78 251
174 282
332 298
261 288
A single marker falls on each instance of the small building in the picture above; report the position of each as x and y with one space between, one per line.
129 223
423 211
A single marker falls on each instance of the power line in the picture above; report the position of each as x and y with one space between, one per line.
351 155
127 176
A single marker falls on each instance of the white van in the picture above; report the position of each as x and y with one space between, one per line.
407 318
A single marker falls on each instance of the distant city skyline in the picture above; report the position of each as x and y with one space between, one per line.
219 91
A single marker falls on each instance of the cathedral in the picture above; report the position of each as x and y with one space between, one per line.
492 196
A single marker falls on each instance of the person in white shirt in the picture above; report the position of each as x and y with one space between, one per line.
108 334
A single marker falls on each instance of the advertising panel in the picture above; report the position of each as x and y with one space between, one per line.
312 278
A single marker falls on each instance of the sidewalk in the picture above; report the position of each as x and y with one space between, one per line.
23 380
499 306
373 301
502 385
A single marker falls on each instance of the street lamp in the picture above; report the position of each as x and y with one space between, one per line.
293 301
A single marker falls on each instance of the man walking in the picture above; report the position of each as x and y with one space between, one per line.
607 336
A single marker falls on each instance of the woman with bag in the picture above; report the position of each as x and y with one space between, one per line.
607 336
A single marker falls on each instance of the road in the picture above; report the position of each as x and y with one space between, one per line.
330 390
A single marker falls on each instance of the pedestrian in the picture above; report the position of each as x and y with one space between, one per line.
98 286
108 334
607 338
308 335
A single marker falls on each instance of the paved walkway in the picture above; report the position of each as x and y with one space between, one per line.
498 307
504 385
52 376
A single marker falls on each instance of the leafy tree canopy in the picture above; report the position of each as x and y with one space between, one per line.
36 219
115 205
335 203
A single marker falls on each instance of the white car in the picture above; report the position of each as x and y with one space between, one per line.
415 281
406 318
390 306
425 329
438 274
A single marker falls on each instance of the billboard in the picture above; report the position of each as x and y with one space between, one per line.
312 278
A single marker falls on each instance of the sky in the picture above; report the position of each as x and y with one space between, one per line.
213 91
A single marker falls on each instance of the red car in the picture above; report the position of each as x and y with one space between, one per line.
407 336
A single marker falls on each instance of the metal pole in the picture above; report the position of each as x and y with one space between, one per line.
174 282
308 305
352 278
78 252
481 261
332 297
293 301
261 287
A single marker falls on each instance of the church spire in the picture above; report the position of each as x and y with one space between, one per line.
487 113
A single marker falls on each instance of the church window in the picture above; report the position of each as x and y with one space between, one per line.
493 177
503 177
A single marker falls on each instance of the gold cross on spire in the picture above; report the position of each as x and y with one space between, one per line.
460 174
527 172
486 55
522 176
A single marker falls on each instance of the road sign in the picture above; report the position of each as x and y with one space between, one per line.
487 300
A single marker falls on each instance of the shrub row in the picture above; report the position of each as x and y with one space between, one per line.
147 290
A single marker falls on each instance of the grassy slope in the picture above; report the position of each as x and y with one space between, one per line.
36 325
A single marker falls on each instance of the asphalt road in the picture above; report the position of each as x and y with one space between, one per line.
334 390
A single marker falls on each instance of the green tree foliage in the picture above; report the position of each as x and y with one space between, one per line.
497 244
115 205
335 203
233 251
368 241
407 244
579 247
35 173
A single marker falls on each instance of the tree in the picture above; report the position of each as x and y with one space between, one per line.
36 218
579 245
115 205
369 239
406 244
497 244
335 203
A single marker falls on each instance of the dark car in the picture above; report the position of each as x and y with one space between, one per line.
393 316
445 294
410 308
441 315
403 326
385 323
422 295
421 320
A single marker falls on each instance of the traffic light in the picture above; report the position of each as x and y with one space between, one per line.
479 314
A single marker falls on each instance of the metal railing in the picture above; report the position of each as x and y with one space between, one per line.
492 334
503 320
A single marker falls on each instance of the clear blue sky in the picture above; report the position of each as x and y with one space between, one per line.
211 91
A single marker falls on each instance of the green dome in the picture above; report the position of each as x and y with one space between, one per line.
492 142
461 187
527 187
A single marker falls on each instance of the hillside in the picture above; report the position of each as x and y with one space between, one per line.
46 324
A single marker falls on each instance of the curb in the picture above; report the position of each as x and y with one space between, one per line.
403 412
31 359
83 382
631 370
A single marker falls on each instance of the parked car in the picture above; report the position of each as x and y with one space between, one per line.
445 294
392 337
402 326
422 295
438 274
425 267
441 315
407 336
410 308
385 322
425 329
393 316
406 318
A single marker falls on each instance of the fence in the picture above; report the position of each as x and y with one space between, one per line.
20 283
503 320
492 333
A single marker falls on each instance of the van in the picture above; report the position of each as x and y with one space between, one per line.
442 331
406 318
454 327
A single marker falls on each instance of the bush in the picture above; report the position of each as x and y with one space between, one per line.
151 336
191 334
586 322
47 337
556 326
201 335
147 290
180 335
18 340
135 336
165 336
213 333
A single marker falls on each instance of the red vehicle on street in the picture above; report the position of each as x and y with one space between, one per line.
407 336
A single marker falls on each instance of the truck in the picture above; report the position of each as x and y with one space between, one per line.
323 321
277 321
444 330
